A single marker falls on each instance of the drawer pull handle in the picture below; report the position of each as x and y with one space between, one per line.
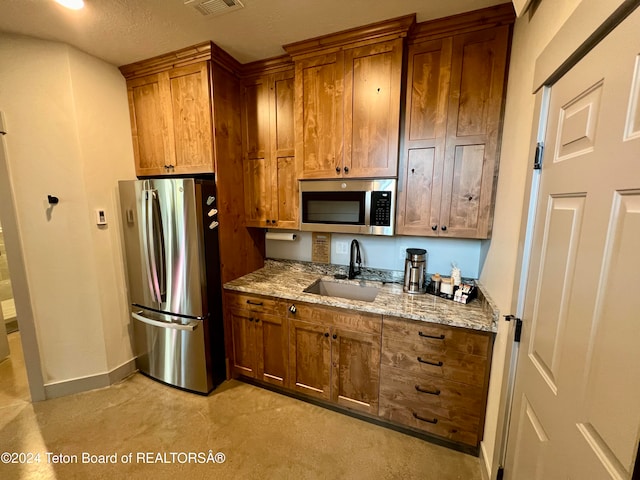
437 364
437 337
428 420
424 390
252 302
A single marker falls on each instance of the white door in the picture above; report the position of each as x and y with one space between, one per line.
576 410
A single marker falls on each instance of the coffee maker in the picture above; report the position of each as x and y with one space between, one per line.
415 271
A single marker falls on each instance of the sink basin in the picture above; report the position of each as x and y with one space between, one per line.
343 290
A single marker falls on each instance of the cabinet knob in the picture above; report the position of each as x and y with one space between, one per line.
273 222
326 335
251 319
293 309
337 169
335 336
268 221
434 227
257 320
444 228
346 169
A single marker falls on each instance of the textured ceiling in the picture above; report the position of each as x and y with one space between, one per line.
125 31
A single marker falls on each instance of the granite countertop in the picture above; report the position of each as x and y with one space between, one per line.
287 279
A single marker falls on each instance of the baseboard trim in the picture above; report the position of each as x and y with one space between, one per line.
92 382
486 471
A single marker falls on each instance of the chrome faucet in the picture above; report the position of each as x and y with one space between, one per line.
352 271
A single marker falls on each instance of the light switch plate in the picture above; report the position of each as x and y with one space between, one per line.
341 248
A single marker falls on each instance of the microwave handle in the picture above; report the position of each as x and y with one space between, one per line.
367 208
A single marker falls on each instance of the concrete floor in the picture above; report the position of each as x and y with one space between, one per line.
262 435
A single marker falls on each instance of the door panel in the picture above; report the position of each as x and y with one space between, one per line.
356 369
562 230
372 109
310 358
577 391
319 83
272 349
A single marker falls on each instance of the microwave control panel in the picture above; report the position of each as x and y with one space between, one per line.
381 209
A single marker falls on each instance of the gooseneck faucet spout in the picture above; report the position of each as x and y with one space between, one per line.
355 248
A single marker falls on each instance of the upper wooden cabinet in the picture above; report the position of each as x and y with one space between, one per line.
456 77
186 119
268 145
171 121
347 101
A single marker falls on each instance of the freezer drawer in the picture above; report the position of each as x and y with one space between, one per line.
173 350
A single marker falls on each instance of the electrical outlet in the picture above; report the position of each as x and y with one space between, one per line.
341 247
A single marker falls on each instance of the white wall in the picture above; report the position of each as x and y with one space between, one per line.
67 121
388 253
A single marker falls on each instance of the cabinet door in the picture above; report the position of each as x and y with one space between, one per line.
372 109
191 118
355 360
319 116
473 133
171 121
256 151
271 346
284 174
244 343
422 157
309 358
151 131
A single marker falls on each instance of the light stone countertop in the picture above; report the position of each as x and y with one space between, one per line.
287 279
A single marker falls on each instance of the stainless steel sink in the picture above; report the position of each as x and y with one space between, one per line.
343 290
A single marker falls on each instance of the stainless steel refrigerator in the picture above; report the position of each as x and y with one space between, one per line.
171 240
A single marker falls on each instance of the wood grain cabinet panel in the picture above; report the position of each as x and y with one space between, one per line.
171 121
348 101
453 119
268 144
435 378
310 358
335 354
372 109
259 338
319 115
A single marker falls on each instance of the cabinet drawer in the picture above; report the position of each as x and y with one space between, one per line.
452 424
450 365
418 391
338 317
436 337
255 303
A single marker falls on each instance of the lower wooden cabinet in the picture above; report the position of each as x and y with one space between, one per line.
429 378
259 338
434 378
334 354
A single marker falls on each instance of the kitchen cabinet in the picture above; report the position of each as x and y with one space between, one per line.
268 145
334 354
259 337
186 119
434 378
171 121
347 101
452 124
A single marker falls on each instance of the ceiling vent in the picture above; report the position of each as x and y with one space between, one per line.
213 8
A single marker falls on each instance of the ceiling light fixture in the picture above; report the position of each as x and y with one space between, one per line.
71 4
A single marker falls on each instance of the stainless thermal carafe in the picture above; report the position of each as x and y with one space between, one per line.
415 271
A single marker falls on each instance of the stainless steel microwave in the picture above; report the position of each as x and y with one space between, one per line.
348 206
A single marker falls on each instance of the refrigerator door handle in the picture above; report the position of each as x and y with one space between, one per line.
190 327
154 245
